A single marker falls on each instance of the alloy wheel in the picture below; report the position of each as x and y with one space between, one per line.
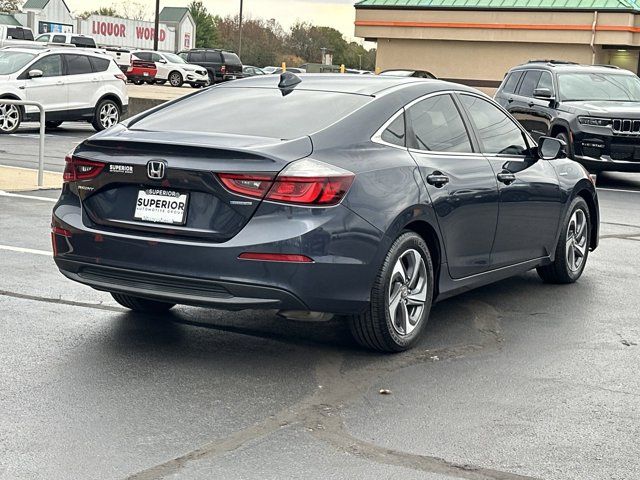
576 241
9 117
407 294
109 115
175 80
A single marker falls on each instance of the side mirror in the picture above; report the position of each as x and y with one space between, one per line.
550 148
543 93
35 73
162 60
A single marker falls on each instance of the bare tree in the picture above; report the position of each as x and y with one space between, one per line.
135 10
8 6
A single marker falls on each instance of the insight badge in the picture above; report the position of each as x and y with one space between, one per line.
127 169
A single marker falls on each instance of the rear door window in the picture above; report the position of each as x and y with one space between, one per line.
197 57
83 42
14 34
212 57
511 82
437 126
529 83
78 64
59 39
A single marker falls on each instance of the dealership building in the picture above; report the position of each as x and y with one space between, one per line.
177 27
476 41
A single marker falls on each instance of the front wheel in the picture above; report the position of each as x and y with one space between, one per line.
107 115
400 299
565 138
572 250
10 118
52 125
142 305
175 79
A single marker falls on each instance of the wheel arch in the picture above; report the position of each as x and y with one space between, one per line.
110 96
594 214
559 127
12 96
430 235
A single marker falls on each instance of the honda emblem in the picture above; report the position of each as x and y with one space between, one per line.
156 169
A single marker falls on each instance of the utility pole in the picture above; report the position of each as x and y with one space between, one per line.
240 32
360 57
157 26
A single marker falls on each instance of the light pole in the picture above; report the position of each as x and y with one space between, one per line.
240 32
157 26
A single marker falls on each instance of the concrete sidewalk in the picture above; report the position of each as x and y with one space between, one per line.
15 179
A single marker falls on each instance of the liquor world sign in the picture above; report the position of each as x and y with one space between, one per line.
121 32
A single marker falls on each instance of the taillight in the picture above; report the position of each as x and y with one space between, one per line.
223 69
304 182
79 169
121 76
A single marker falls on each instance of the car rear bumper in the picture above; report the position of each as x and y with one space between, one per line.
344 248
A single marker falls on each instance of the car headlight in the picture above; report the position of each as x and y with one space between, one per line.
595 122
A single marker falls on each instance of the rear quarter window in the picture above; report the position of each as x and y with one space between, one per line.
231 58
240 111
99 64
511 82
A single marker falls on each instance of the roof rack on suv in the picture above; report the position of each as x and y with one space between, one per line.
553 62
605 65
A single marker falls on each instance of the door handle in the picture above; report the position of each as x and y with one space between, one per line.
506 178
510 100
437 179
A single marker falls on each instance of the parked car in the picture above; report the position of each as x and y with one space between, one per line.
174 69
220 64
595 110
141 71
251 71
71 84
270 70
408 73
278 70
402 193
122 56
14 36
80 41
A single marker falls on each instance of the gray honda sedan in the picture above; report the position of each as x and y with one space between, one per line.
365 197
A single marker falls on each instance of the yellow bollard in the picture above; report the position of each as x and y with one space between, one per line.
342 68
377 70
284 67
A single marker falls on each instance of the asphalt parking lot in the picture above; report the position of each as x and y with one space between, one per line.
516 380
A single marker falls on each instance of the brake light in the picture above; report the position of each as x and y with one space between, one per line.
121 76
250 185
223 69
304 182
275 257
79 169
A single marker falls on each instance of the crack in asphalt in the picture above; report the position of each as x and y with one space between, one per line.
319 412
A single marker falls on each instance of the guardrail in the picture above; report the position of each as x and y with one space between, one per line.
25 103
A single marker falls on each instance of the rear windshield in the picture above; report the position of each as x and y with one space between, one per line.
259 112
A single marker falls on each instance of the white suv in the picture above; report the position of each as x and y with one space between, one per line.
174 69
71 84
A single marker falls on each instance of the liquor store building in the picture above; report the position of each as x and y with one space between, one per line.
477 41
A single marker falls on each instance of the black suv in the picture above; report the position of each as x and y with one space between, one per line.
220 64
595 109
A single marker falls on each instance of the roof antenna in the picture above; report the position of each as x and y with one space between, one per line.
288 81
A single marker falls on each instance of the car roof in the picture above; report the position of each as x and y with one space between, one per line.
561 66
40 50
343 83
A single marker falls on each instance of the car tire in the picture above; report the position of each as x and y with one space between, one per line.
175 79
405 279
52 125
196 85
138 82
142 305
10 118
572 250
106 115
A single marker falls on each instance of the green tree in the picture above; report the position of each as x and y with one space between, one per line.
206 29
106 11
8 6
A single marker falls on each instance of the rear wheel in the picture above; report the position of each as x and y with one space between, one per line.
572 250
138 82
107 114
142 305
10 118
400 299
52 124
175 79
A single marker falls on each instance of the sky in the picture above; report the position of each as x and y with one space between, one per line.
339 14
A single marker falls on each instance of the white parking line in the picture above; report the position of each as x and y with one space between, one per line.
618 190
25 250
28 197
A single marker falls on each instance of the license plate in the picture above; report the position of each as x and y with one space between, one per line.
161 206
145 74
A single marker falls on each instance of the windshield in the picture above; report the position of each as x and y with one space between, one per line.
11 62
240 111
173 58
598 86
